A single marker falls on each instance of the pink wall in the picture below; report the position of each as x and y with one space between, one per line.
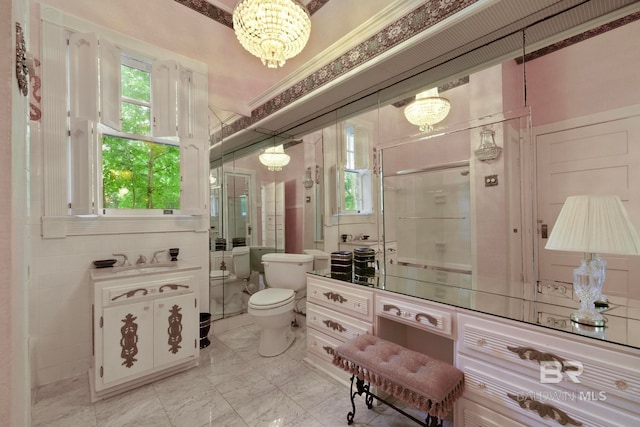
592 76
292 175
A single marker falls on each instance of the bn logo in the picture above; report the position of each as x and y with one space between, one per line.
551 372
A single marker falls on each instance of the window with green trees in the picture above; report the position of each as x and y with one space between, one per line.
357 194
138 171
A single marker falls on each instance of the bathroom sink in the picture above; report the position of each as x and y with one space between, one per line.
147 268
122 272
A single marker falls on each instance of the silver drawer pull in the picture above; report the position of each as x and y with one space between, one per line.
482 386
622 384
481 342
544 410
429 318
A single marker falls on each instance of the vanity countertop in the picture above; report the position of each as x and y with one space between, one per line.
361 243
115 273
455 289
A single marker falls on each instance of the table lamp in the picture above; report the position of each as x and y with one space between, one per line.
593 225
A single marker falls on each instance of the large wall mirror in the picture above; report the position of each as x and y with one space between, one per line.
446 220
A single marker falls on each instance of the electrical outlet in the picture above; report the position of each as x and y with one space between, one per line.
491 180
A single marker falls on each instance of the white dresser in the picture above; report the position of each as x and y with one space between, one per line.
584 382
145 326
336 312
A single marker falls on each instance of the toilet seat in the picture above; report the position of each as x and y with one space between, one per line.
271 298
221 274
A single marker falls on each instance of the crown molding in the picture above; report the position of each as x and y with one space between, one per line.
395 10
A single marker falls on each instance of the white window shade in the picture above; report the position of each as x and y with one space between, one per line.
110 85
164 98
94 91
194 171
83 76
84 147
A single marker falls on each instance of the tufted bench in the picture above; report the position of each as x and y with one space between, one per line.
415 378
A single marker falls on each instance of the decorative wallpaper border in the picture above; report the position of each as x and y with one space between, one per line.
420 19
580 37
225 18
209 10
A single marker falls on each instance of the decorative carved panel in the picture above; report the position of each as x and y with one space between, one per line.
129 340
174 331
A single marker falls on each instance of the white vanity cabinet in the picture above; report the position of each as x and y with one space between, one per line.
336 312
582 382
145 326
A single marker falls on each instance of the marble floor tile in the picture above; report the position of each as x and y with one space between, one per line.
232 387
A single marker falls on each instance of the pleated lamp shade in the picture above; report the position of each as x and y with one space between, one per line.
594 224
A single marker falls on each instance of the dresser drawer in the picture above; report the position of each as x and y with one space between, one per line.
532 403
470 414
416 313
520 348
321 344
337 325
344 298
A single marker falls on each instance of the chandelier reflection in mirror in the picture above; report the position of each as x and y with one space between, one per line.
272 30
274 158
488 150
427 110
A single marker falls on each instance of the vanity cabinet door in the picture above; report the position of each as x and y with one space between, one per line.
175 329
127 341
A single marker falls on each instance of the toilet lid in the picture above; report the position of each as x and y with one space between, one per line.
271 298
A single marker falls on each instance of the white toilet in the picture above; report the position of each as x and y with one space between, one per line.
272 308
227 281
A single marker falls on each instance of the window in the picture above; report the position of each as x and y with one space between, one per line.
138 171
89 161
356 195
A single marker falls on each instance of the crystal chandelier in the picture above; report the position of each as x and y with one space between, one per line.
274 158
272 30
427 110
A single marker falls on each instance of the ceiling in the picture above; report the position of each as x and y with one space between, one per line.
255 101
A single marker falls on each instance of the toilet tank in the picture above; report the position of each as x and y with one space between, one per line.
256 253
287 271
241 267
320 259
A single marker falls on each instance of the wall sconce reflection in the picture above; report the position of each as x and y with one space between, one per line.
308 181
488 150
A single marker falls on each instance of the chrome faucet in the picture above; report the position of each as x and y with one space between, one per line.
125 260
154 259
141 260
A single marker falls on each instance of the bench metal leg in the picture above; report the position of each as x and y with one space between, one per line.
362 387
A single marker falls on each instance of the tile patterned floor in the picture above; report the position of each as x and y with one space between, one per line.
232 386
